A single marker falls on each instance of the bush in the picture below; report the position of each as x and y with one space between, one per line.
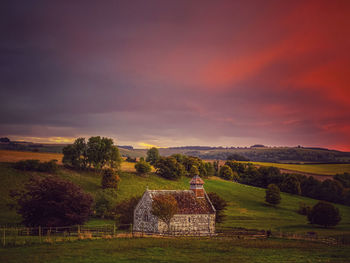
125 211
291 185
324 214
105 202
219 204
226 172
37 166
152 155
51 201
110 179
273 195
304 209
142 167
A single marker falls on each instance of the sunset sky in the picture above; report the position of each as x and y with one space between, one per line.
172 73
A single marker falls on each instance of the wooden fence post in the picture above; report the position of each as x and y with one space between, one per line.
40 234
4 238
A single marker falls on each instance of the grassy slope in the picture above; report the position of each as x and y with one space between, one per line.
177 250
246 206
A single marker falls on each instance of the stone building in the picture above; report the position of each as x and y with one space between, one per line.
196 213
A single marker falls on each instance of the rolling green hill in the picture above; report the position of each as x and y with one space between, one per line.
246 203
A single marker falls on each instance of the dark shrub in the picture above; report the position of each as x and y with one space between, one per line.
52 201
125 211
110 179
324 214
273 195
219 204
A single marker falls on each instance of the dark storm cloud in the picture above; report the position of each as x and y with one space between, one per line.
177 72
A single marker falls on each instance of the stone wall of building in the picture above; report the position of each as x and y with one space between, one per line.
190 224
143 219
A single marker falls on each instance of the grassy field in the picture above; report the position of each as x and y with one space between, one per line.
246 203
323 169
177 250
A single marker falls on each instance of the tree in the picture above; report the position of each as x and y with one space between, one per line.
291 185
219 204
210 169
324 214
142 167
5 140
216 168
194 171
51 201
152 155
125 211
273 195
105 201
331 191
101 151
75 155
226 172
169 168
164 207
110 179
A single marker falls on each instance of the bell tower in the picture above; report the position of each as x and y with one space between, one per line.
196 185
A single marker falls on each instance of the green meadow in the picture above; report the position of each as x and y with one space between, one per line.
177 250
246 203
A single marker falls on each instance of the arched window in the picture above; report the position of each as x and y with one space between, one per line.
145 217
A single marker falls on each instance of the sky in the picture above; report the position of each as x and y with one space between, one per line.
173 73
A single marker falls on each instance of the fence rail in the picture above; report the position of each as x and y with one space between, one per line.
18 236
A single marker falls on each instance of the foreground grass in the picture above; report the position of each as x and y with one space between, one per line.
177 250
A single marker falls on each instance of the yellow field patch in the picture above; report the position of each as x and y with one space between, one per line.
15 156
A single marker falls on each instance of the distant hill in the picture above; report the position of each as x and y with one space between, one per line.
255 153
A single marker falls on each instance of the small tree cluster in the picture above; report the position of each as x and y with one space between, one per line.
96 153
227 173
169 168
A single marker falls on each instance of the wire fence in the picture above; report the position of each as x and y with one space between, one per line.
19 236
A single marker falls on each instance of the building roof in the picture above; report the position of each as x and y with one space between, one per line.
187 201
196 180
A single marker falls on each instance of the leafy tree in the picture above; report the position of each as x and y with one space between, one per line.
236 157
152 155
142 167
291 185
51 201
110 179
210 169
75 155
344 179
273 195
101 151
324 214
194 171
169 168
220 206
226 172
125 211
164 207
331 191
310 187
216 168
105 201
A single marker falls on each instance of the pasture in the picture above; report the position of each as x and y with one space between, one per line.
177 250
